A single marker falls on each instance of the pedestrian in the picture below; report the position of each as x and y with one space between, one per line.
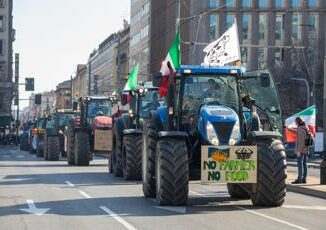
301 150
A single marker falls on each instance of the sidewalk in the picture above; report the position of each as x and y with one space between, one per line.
312 188
312 162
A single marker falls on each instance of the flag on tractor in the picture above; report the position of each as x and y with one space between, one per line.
132 80
173 57
224 50
309 117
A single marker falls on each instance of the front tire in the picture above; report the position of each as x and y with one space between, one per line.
117 154
132 157
270 189
70 147
53 149
149 141
172 172
82 149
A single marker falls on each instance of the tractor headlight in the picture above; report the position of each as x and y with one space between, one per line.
131 114
235 136
211 134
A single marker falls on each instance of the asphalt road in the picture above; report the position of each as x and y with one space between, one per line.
35 194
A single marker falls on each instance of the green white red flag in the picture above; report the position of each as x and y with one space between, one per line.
173 57
132 79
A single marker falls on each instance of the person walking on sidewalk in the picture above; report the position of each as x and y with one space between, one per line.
301 149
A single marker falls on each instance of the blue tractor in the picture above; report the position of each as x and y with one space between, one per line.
223 107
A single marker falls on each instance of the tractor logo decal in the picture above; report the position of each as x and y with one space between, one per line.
219 155
243 153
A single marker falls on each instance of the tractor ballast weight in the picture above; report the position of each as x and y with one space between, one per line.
236 111
91 132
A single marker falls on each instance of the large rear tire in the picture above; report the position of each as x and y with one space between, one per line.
82 149
132 157
270 189
117 153
70 147
149 141
53 153
172 172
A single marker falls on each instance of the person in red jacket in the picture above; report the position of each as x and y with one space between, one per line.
301 149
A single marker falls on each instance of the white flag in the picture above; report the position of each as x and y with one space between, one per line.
224 50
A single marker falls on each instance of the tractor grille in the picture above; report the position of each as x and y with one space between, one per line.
224 131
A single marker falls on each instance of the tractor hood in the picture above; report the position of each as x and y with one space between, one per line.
219 125
102 122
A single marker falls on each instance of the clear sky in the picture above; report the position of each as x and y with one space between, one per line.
53 36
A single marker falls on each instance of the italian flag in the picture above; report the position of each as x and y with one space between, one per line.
308 116
173 57
132 80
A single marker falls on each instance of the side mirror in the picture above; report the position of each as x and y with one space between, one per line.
265 80
157 79
124 99
74 105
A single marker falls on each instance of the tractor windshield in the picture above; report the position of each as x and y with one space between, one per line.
209 89
99 107
65 118
150 101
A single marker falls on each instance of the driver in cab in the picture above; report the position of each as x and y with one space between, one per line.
213 90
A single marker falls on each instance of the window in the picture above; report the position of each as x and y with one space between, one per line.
278 56
212 26
2 3
229 20
144 32
295 25
230 3
1 46
145 9
312 3
312 26
1 100
295 3
246 3
261 58
279 26
213 3
1 23
262 3
262 26
244 55
279 3
245 26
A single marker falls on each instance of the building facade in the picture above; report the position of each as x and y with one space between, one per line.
6 77
140 23
63 95
47 106
122 56
80 81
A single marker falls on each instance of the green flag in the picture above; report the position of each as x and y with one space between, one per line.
132 80
173 57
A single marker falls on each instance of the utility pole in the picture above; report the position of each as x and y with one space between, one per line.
323 163
71 96
119 78
17 93
178 24
89 76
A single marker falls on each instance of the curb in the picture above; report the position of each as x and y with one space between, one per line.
306 191
315 166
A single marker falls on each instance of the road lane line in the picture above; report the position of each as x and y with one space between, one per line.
20 156
70 184
319 208
85 194
271 218
118 218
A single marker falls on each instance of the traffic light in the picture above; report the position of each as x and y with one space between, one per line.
29 84
38 99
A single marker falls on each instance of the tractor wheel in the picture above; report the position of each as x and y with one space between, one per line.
39 150
45 149
237 191
70 147
149 139
270 189
53 153
117 154
82 149
172 172
132 157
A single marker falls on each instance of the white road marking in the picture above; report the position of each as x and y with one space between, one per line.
85 194
271 218
178 209
320 208
20 156
118 218
209 195
33 209
70 184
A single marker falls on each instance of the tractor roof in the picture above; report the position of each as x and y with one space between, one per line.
197 69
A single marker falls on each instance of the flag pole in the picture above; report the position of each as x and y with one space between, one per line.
178 25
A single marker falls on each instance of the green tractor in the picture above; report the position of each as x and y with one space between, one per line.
54 140
91 131
220 124
38 135
125 159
